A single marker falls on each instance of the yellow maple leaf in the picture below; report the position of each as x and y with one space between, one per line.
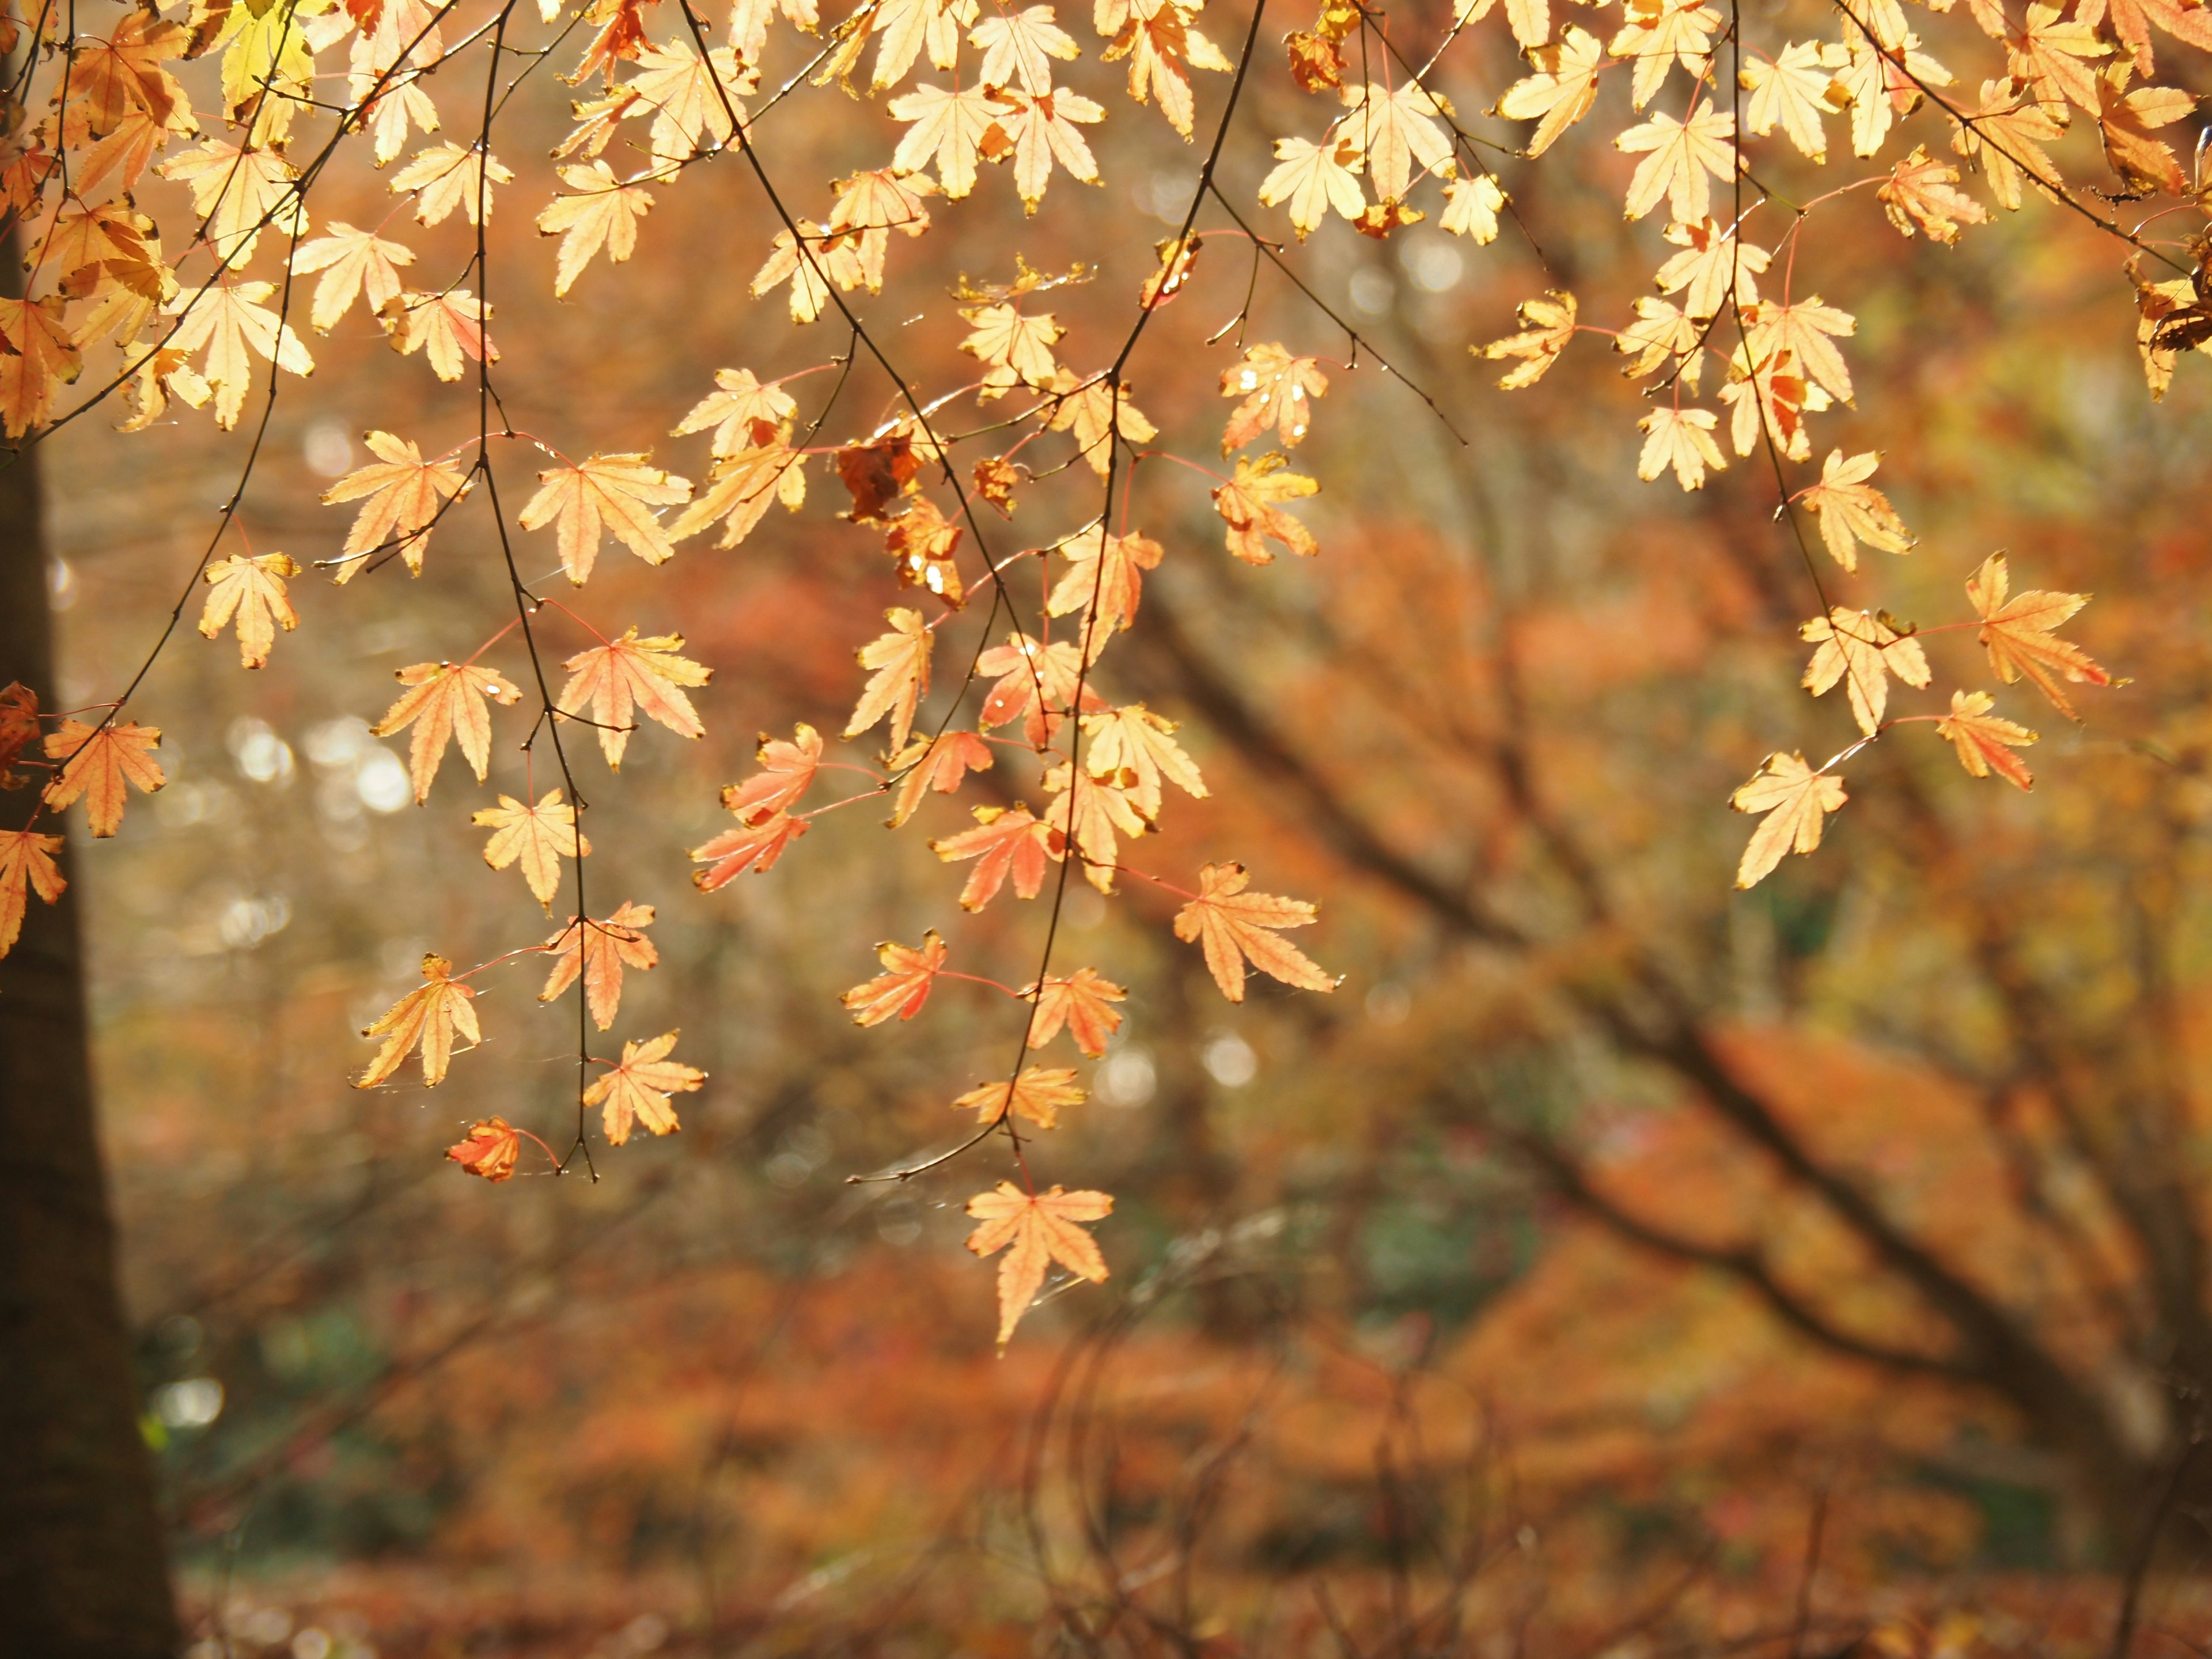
1042 1228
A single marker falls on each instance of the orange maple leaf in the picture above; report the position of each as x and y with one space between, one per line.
1037 1094
19 725
614 494
787 770
646 673
638 1090
755 846
253 590
1105 576
904 984
900 659
1036 685
1006 841
489 1150
1985 741
1233 925
432 1015
1040 1227
405 494
1082 1001
26 862
538 835
445 701
2017 633
96 763
1277 390
1249 504
941 763
599 951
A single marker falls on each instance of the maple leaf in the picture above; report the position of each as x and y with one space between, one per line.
446 176
1662 333
1471 207
405 494
1088 812
491 1149
1136 747
1920 190
432 1015
941 764
1249 506
1105 577
1561 91
1681 438
2006 134
1042 1228
1803 328
252 591
26 866
1162 48
904 984
740 489
603 213
1985 741
876 474
1546 325
755 846
996 478
1036 685
1862 651
1659 33
1790 90
96 762
1038 128
1851 510
639 1089
1275 388
353 262
1393 133
901 661
1037 1094
1006 842
1678 156
613 494
691 111
2018 634
1313 179
1081 1001
744 413
41 356
1233 925
234 325
1796 801
125 71
947 128
445 701
1771 397
537 836
448 327
237 194
1096 419
2049 57
787 769
2124 122
632 672
598 952
922 543
19 727
1710 254
1019 48
1015 350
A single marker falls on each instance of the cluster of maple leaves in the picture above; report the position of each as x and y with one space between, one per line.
117 118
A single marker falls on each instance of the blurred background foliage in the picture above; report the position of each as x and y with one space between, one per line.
1381 1369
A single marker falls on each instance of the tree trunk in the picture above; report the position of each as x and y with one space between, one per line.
81 1569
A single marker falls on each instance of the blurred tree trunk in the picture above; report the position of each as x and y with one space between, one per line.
81 1571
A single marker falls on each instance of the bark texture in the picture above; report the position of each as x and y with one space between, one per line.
81 1568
